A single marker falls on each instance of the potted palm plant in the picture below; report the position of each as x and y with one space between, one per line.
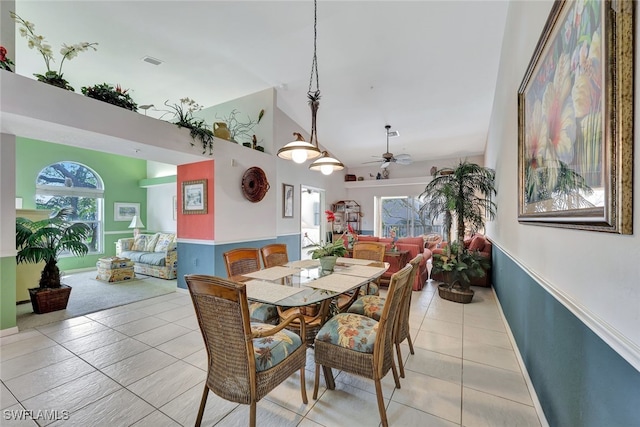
463 194
45 240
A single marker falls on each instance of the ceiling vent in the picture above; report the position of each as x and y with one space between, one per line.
151 60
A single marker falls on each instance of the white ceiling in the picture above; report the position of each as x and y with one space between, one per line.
427 68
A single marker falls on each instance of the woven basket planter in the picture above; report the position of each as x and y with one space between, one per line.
455 294
49 299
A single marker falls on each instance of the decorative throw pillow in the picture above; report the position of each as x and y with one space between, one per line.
477 243
140 243
164 240
151 243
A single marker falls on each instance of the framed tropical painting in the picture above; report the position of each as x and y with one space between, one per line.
575 120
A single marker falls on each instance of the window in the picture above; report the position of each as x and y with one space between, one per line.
72 184
403 213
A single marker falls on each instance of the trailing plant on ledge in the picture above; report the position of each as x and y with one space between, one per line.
107 93
183 117
51 77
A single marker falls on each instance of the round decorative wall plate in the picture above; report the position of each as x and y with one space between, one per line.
254 184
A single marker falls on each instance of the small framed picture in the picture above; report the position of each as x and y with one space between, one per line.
125 211
175 208
287 201
194 197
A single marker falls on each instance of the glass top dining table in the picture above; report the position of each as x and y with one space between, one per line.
300 283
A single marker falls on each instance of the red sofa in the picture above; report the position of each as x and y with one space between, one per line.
415 246
478 243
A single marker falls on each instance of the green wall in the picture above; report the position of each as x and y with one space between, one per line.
7 292
119 174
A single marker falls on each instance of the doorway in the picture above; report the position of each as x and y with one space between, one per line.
311 220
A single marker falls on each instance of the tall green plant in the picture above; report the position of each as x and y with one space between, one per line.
464 194
46 239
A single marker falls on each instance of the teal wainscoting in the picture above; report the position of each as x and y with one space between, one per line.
579 379
197 258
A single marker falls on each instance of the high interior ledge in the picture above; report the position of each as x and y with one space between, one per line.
33 109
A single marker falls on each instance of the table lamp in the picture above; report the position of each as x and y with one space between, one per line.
136 224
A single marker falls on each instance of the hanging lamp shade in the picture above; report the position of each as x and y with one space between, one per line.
326 164
299 150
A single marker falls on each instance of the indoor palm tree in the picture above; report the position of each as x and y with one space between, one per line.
464 194
46 239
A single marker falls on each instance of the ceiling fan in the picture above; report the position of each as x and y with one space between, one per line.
388 158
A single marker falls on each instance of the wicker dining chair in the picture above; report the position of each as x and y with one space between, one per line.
371 306
247 260
241 260
363 346
246 360
373 251
274 255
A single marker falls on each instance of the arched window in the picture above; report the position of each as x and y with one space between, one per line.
72 184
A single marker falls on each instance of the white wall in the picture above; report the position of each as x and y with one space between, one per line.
248 107
262 220
160 208
160 217
414 169
365 191
596 275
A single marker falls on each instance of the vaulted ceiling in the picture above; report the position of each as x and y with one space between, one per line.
427 68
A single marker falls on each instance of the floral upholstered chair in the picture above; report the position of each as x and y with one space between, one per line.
361 345
372 306
246 360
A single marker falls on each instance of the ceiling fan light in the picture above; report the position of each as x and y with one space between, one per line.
326 164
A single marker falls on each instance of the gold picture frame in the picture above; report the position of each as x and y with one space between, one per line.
194 197
575 120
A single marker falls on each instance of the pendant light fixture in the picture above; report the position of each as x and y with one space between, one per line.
299 150
326 164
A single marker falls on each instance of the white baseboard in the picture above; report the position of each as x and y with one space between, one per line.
8 331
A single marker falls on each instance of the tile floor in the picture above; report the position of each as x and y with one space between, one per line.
143 364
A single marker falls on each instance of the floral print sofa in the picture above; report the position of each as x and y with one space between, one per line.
153 254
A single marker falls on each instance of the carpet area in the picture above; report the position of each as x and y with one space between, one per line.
89 295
